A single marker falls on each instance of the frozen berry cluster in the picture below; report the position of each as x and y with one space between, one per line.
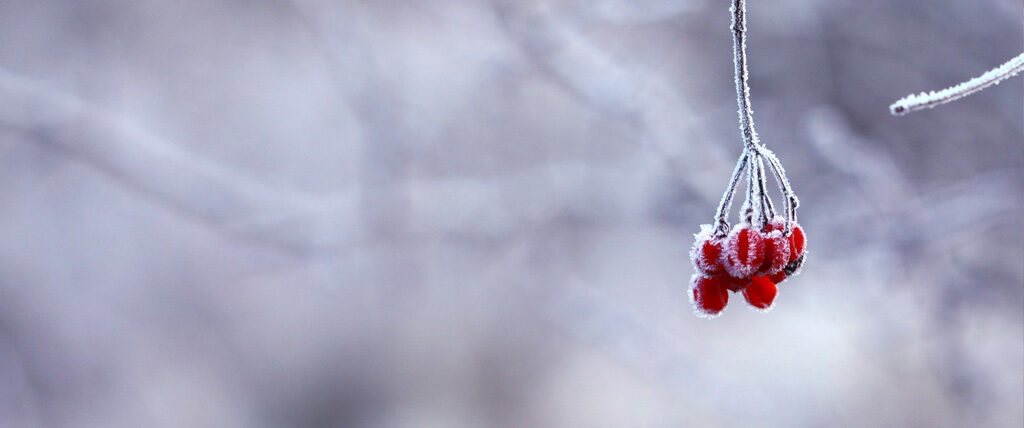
765 248
749 260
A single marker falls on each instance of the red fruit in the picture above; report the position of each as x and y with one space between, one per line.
761 292
744 251
797 242
777 223
732 283
778 277
776 250
706 253
708 295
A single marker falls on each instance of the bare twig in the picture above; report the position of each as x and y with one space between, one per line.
722 216
739 40
754 153
914 102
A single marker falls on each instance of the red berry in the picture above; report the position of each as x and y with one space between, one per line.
776 253
778 277
797 242
706 253
732 283
708 295
744 251
761 292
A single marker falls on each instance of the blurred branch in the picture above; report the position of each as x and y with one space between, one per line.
632 12
301 223
669 126
851 153
959 206
188 183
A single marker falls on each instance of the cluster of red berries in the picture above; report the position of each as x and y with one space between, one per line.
765 248
747 260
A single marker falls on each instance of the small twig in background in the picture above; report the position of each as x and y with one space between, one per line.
914 102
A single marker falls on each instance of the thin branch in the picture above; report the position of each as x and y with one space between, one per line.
722 216
754 156
787 191
739 28
914 102
187 183
767 210
752 204
297 222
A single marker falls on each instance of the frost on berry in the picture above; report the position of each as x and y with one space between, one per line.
797 242
744 251
761 293
706 253
707 295
776 251
776 223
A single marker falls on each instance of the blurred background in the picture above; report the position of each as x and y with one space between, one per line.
456 213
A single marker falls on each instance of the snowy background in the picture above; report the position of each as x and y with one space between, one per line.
456 213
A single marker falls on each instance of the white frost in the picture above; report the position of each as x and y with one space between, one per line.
931 99
743 262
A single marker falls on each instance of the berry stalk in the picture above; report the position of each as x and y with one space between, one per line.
722 214
754 153
763 249
739 49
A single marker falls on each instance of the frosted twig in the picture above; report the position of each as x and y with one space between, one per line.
914 102
752 161
751 205
787 191
767 210
754 154
747 161
768 205
739 39
722 215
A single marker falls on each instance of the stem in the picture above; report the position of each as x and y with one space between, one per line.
767 210
751 205
721 216
754 154
787 192
922 101
739 49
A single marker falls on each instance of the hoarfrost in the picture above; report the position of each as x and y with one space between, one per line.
931 99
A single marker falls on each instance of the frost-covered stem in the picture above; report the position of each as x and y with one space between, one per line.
757 193
754 154
767 210
721 216
787 192
752 205
739 50
768 206
914 102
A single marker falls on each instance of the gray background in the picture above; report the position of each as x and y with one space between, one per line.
444 213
